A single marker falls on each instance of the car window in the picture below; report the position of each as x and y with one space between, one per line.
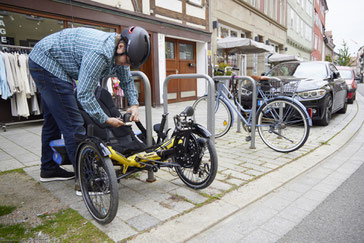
346 74
300 70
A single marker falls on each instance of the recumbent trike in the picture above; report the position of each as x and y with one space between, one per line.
109 154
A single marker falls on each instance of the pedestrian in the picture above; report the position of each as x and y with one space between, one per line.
86 55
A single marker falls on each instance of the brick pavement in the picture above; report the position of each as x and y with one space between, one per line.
158 206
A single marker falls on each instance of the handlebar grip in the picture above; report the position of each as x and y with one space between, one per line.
188 111
220 70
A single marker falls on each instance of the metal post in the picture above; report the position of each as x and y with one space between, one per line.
254 105
210 97
148 112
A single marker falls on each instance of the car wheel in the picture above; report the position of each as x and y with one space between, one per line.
345 107
327 112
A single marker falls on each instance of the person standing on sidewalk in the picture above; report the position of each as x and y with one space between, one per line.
86 55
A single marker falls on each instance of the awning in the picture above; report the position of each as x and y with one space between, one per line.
277 57
242 46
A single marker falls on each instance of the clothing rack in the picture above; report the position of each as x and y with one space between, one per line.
3 124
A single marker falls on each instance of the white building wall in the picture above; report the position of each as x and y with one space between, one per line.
174 5
201 67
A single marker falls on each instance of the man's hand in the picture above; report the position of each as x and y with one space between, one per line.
134 110
114 122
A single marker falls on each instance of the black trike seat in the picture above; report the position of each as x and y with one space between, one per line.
122 139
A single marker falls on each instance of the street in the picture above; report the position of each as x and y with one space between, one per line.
322 205
339 218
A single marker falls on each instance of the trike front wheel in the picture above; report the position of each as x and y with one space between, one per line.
98 183
198 161
282 125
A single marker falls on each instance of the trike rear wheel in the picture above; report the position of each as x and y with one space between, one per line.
198 161
98 183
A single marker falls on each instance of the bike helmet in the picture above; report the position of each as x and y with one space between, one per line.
137 45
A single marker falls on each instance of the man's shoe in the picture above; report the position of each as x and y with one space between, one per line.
57 174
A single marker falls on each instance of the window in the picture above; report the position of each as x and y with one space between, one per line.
266 6
315 42
26 30
233 33
186 51
224 32
169 50
292 19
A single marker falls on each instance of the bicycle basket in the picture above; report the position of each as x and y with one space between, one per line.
274 87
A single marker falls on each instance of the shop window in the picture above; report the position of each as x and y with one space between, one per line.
26 30
75 25
224 32
169 50
233 33
186 51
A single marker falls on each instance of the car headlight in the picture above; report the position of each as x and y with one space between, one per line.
312 94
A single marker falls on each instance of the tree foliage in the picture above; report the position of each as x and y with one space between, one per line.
344 58
328 58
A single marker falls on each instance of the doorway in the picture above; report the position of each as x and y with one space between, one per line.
180 59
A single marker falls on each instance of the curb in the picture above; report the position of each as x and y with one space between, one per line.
187 226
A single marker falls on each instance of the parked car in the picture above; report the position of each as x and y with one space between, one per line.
348 74
321 89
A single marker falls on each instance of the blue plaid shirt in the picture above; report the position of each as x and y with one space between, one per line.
86 55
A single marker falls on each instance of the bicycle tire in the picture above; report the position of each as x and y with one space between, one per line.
223 115
98 184
285 132
186 155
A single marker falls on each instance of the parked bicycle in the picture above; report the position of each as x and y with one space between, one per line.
282 121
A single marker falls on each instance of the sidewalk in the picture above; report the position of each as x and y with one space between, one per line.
169 211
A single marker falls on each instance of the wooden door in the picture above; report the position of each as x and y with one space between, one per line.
181 58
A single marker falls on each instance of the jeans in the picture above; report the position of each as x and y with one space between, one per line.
60 112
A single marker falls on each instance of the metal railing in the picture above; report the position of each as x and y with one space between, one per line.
210 97
240 79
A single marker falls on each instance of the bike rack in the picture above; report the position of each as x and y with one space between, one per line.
254 105
148 112
210 97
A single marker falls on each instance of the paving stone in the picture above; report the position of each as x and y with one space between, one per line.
117 230
126 211
278 225
190 195
306 204
10 164
143 222
238 175
156 209
236 182
177 204
261 236
5 156
293 214
26 157
220 185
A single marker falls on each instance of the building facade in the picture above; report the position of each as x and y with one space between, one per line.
179 31
318 53
329 46
261 20
300 28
